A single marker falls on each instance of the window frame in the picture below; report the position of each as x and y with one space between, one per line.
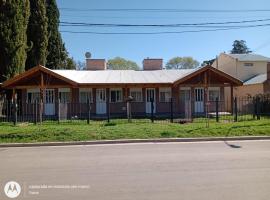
87 91
213 89
165 90
139 90
121 95
33 91
66 91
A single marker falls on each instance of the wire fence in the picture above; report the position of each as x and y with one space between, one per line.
243 109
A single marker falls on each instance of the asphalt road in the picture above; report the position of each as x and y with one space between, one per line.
206 170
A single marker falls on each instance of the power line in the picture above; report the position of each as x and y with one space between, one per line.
161 32
161 10
201 25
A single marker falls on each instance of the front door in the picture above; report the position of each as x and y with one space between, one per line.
49 104
199 100
101 101
185 103
150 95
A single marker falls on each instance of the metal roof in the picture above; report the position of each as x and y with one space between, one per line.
124 76
250 57
261 78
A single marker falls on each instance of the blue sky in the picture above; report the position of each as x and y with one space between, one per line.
201 46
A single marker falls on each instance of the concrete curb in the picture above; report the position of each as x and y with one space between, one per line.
126 141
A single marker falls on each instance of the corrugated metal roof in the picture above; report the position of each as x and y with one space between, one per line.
124 76
250 57
261 78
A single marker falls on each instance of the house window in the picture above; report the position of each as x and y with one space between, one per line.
33 95
248 64
214 93
85 94
64 95
116 95
165 94
136 93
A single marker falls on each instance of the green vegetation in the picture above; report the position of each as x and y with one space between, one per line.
37 34
14 17
121 129
119 63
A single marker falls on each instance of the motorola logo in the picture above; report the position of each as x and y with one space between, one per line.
12 189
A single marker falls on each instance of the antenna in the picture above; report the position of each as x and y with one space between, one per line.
88 55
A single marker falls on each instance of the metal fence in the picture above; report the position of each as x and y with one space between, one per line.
243 109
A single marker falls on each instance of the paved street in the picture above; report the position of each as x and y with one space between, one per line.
207 170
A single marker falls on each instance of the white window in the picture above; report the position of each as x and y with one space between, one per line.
214 92
64 95
248 64
116 95
85 94
33 95
165 94
136 93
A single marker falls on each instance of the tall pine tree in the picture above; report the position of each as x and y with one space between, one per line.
37 34
55 44
14 17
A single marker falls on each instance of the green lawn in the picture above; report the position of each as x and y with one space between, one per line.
141 129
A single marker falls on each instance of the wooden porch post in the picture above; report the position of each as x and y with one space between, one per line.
41 97
205 91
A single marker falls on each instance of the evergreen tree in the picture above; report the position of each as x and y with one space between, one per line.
37 34
55 45
14 17
240 47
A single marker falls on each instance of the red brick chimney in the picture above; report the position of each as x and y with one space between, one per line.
95 64
152 64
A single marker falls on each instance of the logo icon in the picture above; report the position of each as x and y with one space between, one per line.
12 189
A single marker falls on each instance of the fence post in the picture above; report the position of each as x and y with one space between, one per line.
36 111
217 113
15 109
254 107
108 110
88 110
152 109
258 108
171 106
235 109
40 111
59 111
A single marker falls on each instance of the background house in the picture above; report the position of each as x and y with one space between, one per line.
251 69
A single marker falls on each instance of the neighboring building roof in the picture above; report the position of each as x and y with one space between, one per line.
261 78
124 76
250 57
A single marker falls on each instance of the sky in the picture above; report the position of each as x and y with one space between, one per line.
200 45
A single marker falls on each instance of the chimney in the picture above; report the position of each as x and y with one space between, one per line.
268 71
152 64
94 64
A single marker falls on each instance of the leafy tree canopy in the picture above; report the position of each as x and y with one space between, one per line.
119 63
182 63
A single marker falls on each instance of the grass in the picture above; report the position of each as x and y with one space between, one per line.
117 129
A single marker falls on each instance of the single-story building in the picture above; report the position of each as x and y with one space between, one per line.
191 89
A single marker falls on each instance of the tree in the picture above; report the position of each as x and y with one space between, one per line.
240 47
37 34
119 63
182 63
208 62
81 65
14 17
56 50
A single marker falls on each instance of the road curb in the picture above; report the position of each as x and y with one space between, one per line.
126 141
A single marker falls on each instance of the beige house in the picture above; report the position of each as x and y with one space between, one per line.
251 69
